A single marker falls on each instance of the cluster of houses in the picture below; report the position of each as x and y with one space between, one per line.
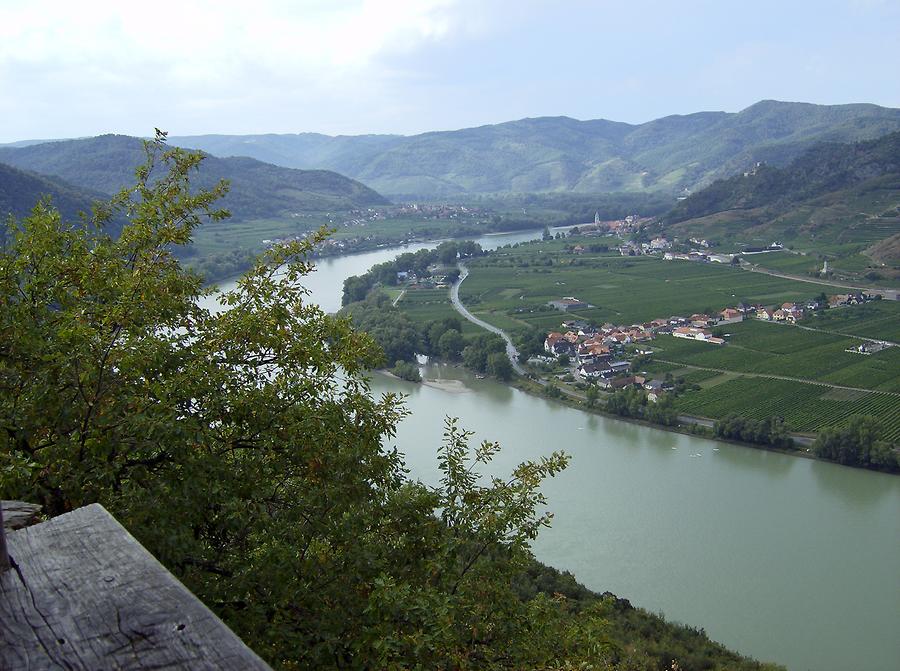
620 227
788 312
702 257
409 280
853 298
657 244
793 312
599 352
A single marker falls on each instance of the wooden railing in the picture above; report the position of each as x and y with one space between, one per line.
79 592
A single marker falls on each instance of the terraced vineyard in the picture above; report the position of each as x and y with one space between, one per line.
879 320
804 407
761 347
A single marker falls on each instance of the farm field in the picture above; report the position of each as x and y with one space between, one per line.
222 237
768 348
424 305
519 282
879 320
806 408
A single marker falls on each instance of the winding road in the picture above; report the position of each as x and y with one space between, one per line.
511 350
755 268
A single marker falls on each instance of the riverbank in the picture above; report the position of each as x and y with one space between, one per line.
699 430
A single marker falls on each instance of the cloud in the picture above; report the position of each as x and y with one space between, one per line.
199 53
194 41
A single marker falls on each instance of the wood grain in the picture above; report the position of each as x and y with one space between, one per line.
18 514
84 594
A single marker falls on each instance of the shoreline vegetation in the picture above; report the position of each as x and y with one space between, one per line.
698 430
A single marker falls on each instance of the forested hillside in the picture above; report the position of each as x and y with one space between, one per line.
564 154
20 190
823 169
258 190
836 202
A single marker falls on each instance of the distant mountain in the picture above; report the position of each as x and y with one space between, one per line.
564 154
833 193
20 191
258 190
28 143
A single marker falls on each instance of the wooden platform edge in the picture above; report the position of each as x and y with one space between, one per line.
82 593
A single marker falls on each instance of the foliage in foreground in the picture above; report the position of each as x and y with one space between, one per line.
245 450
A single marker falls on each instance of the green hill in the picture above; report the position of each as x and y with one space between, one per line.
564 154
839 202
20 190
826 168
258 190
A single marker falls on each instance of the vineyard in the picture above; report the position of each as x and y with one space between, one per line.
804 407
772 349
880 320
698 375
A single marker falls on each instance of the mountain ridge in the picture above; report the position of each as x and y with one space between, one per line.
106 163
547 154
836 201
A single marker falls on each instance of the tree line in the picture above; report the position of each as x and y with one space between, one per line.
357 287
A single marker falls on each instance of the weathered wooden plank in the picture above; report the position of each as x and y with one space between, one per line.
84 594
18 514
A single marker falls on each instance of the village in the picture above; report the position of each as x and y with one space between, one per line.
606 355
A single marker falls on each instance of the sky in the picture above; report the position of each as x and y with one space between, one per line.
74 69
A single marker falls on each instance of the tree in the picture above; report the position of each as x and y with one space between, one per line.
451 344
243 447
859 443
591 395
393 330
499 366
447 252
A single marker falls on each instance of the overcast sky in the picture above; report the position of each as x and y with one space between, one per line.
81 68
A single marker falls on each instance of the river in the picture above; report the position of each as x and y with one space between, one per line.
785 559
